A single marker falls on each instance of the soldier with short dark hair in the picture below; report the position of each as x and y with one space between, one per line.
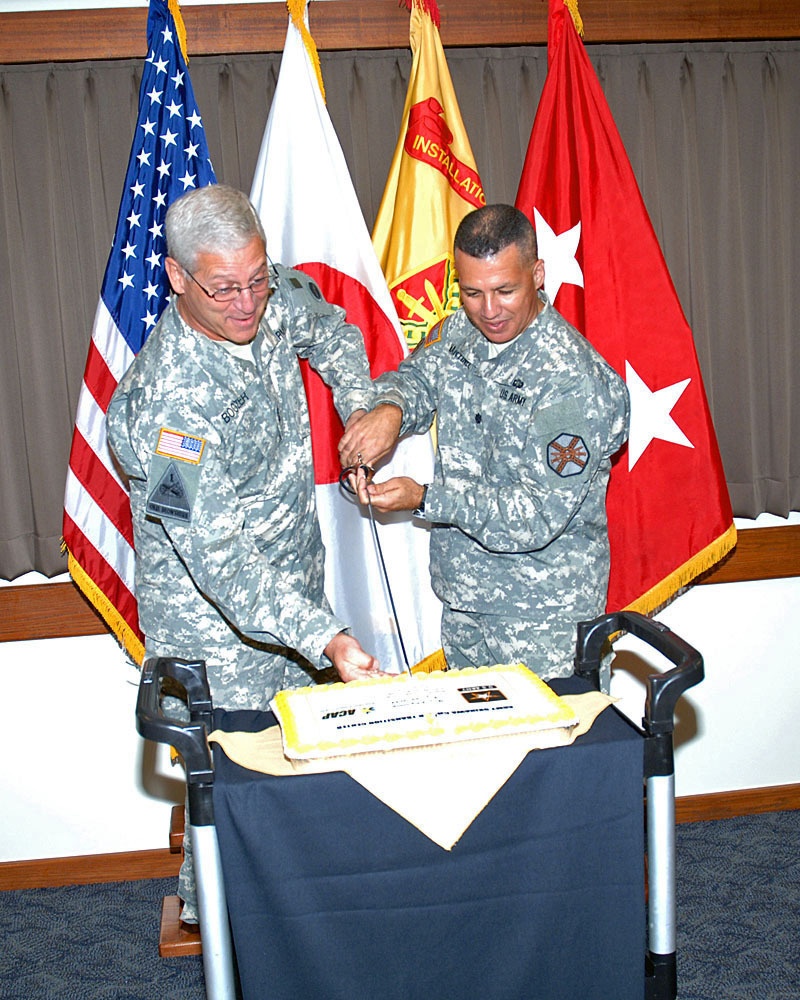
528 417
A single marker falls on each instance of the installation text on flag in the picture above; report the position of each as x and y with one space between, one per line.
433 182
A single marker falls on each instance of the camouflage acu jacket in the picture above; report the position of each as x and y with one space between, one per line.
524 447
229 557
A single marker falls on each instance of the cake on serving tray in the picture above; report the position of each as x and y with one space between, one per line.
388 713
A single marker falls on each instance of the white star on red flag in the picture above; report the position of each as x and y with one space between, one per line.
669 515
558 251
651 414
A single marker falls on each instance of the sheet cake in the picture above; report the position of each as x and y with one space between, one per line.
388 713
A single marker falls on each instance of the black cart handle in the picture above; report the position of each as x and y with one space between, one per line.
188 738
663 689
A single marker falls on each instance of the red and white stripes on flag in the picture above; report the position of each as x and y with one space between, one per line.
168 156
305 196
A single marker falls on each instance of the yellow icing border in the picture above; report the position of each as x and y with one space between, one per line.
560 716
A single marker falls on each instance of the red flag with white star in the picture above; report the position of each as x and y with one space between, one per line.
669 512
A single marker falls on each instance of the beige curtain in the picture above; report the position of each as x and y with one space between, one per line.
712 131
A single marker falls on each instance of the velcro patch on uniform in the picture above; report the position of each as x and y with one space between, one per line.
567 455
186 447
306 292
170 496
434 334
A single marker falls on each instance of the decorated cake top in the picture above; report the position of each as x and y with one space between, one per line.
387 713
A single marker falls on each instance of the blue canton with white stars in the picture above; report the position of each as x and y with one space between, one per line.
169 156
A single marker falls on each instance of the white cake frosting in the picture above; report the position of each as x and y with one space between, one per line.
387 713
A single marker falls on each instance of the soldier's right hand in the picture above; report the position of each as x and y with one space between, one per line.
369 436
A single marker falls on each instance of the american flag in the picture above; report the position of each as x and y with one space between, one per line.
169 155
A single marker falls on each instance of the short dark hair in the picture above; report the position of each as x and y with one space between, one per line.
488 230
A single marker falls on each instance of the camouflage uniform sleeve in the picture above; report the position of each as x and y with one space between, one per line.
412 388
319 332
523 488
179 478
119 438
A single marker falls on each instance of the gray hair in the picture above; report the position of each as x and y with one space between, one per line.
213 219
488 230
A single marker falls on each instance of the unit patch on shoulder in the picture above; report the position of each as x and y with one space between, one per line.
170 497
173 444
434 334
567 455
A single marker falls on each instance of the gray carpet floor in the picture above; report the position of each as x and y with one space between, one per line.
738 900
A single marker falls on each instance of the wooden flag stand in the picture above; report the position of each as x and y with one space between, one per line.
177 939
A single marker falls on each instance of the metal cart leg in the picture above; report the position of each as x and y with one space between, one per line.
213 913
189 739
662 979
663 692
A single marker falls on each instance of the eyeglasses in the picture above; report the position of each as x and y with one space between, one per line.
256 288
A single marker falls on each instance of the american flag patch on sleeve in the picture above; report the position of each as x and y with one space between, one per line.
173 444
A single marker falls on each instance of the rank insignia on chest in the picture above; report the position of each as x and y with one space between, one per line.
567 455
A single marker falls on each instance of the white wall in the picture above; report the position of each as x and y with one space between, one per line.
76 776
77 779
738 728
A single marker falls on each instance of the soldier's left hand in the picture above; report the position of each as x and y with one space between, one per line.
350 660
398 493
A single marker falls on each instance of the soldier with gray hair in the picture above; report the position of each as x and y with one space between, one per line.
211 427
528 418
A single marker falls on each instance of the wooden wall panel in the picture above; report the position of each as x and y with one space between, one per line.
42 36
133 865
88 869
59 610
760 554
46 611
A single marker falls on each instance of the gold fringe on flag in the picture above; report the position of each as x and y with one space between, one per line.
126 637
660 595
177 17
572 7
296 12
430 663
